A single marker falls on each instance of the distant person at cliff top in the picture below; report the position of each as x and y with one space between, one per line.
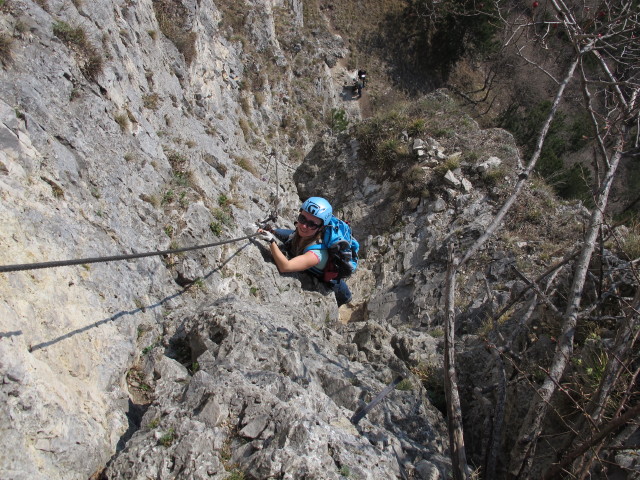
362 76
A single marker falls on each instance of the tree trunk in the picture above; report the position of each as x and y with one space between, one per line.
454 411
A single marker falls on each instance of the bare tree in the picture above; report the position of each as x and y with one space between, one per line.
605 65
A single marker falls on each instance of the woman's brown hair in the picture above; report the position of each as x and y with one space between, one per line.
298 244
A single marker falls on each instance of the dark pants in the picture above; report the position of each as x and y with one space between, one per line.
340 288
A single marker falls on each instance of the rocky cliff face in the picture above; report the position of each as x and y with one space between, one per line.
117 139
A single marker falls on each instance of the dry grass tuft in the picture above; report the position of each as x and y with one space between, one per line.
172 18
91 63
6 43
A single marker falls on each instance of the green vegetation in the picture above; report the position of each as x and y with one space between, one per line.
449 164
168 197
70 35
379 139
405 385
223 200
419 39
223 216
168 438
153 423
216 228
589 367
564 137
345 471
414 182
236 474
338 121
495 176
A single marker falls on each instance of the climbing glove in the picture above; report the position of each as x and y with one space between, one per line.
267 236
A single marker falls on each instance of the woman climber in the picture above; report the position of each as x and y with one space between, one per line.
304 246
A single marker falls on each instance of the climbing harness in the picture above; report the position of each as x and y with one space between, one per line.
82 261
360 414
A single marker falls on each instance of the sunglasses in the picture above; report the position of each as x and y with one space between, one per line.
308 223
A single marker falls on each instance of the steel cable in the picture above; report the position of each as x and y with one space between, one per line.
113 258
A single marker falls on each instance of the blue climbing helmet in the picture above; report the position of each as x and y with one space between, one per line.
318 207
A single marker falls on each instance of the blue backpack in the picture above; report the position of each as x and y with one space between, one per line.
343 251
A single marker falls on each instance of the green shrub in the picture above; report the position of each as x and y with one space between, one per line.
338 120
345 471
168 197
168 438
236 474
223 216
417 127
70 35
449 164
223 200
216 228
404 385
574 183
178 164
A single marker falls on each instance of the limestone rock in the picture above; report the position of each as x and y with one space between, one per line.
451 179
488 164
